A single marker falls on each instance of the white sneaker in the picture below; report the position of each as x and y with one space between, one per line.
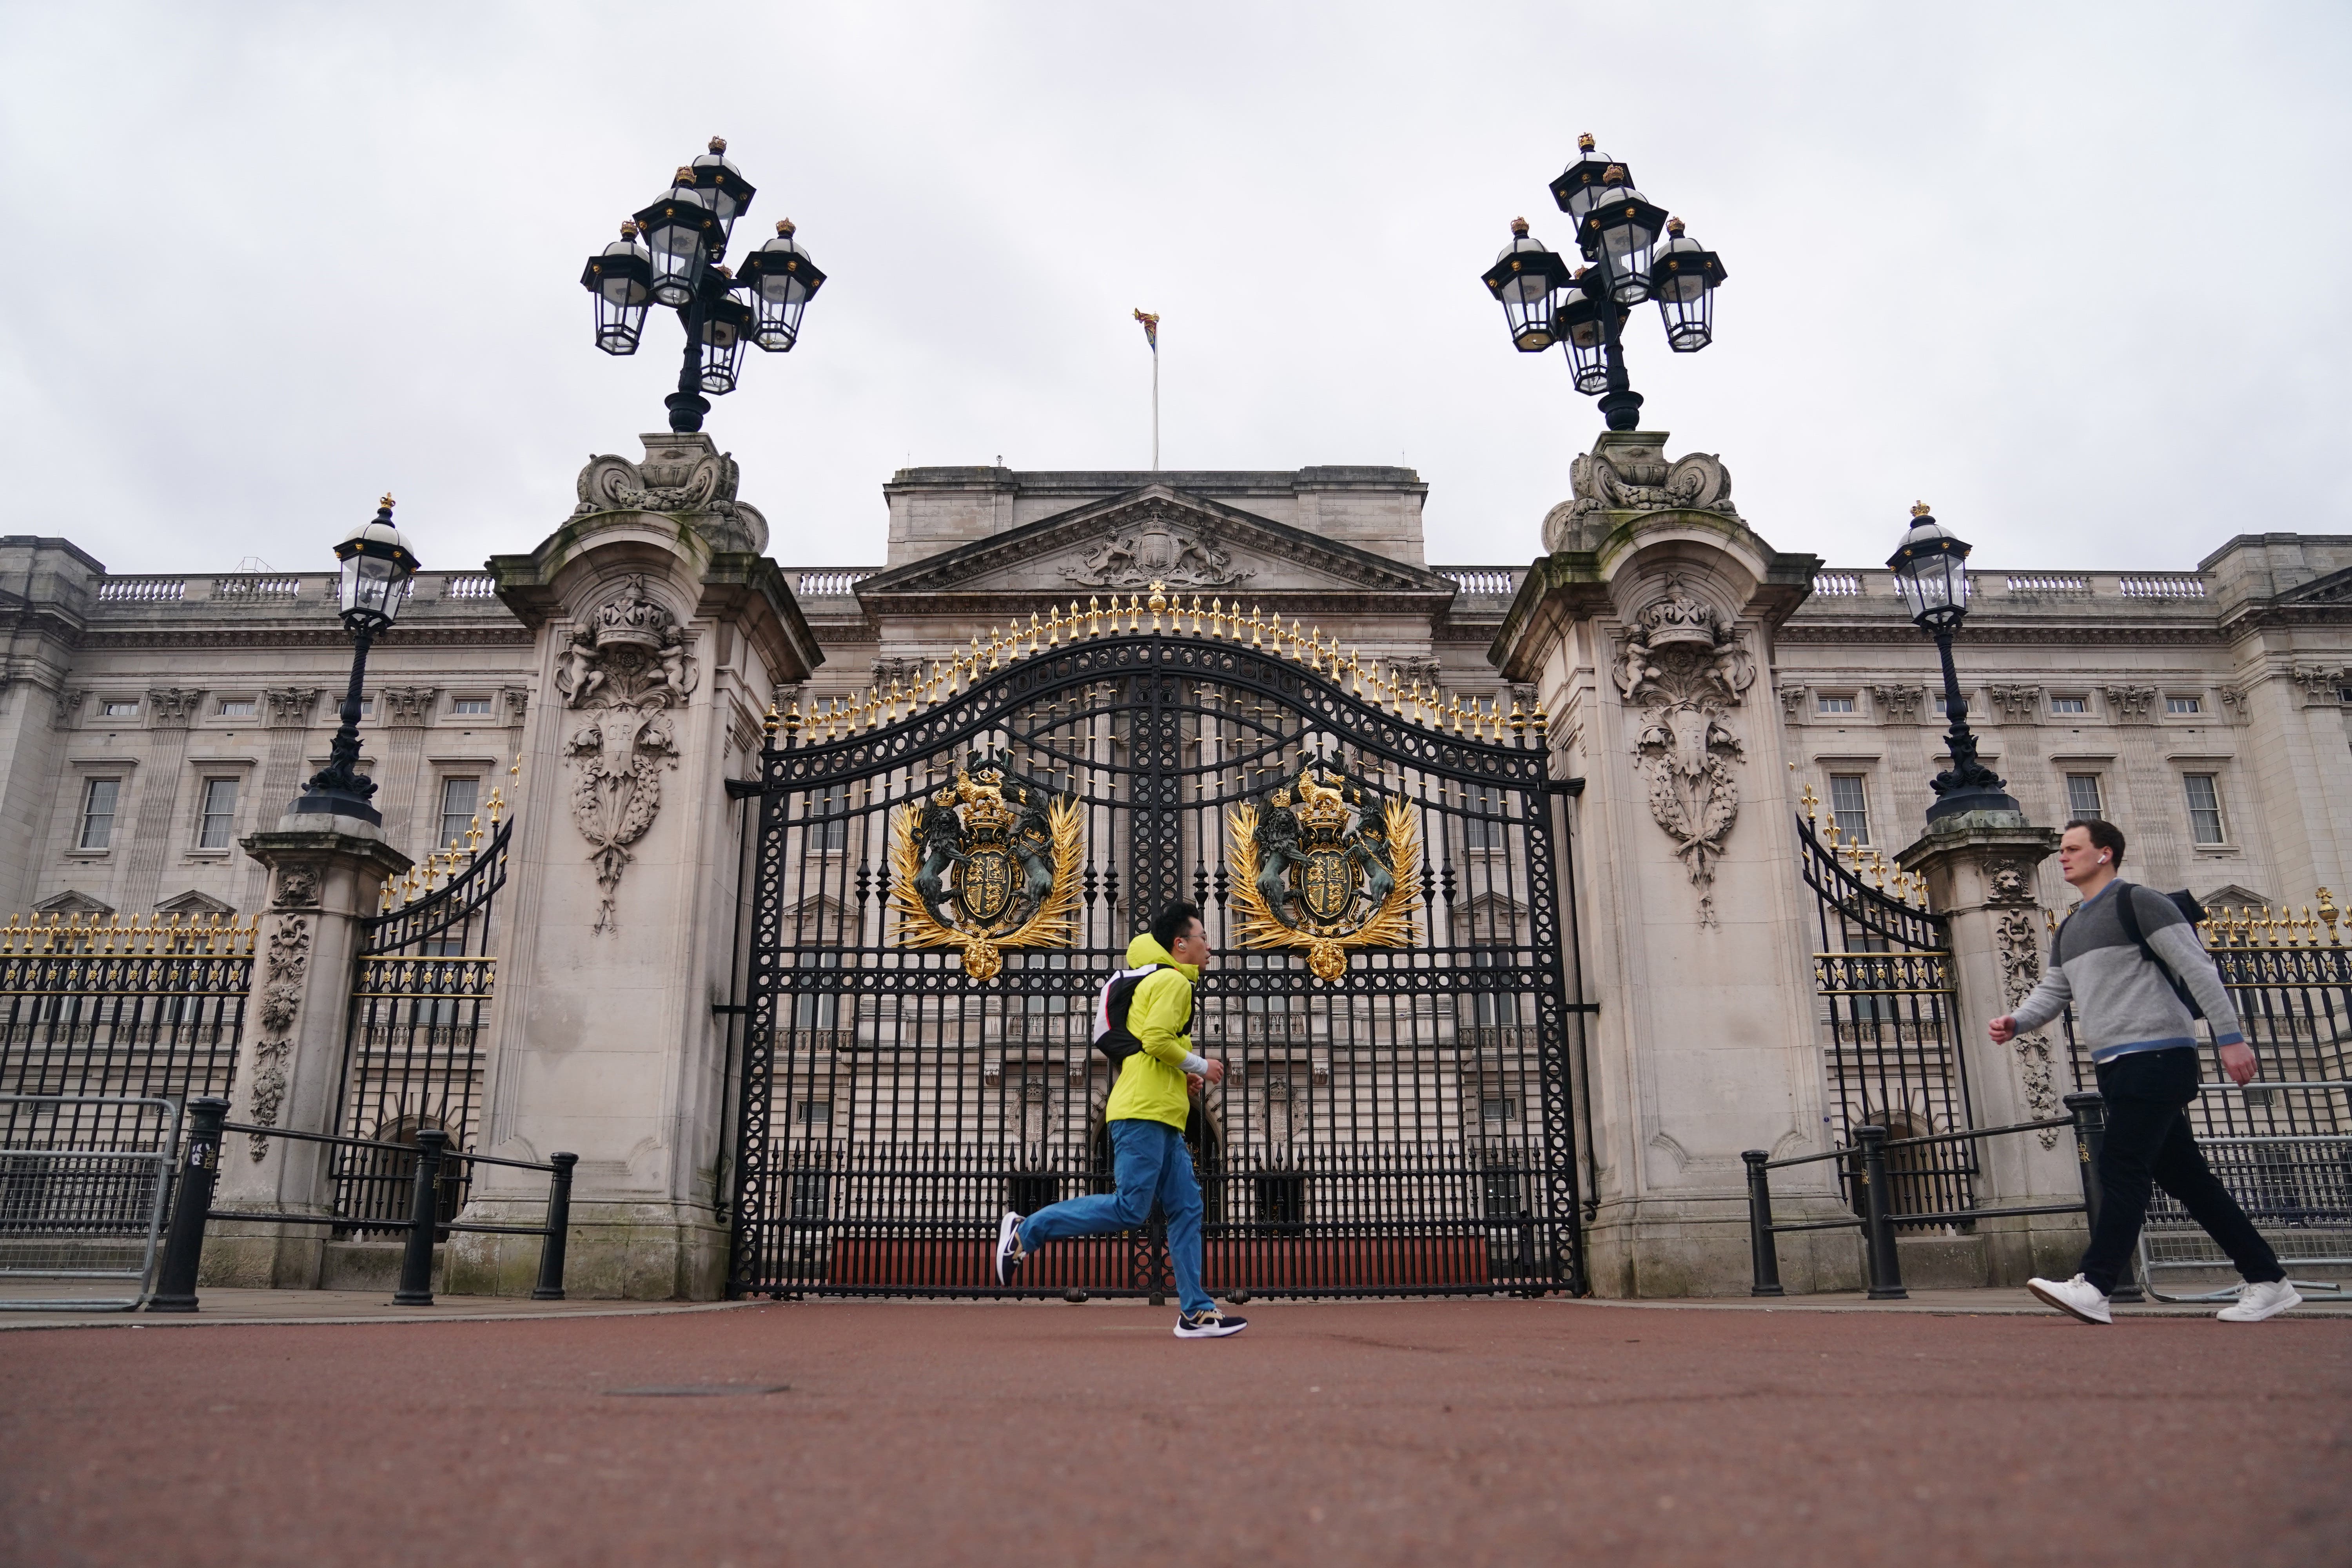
2077 1296
1009 1256
2256 1302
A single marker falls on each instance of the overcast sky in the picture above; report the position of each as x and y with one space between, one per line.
2074 274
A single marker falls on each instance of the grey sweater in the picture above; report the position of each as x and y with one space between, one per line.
2123 1003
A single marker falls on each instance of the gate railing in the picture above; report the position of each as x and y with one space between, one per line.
84 1179
416 1039
1883 972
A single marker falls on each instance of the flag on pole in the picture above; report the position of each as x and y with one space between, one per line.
1151 329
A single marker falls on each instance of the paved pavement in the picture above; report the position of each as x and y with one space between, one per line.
1379 1433
215 1306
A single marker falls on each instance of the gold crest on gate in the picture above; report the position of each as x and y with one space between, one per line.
986 862
1324 864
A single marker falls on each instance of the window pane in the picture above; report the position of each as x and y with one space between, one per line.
218 822
2070 705
98 813
468 707
237 707
2183 705
458 799
119 710
1848 806
1834 705
2204 809
2083 797
831 802
1483 830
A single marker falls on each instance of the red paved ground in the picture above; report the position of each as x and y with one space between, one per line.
1391 1433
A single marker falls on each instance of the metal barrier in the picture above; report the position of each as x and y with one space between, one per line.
184 1251
83 1184
1877 1220
2295 1186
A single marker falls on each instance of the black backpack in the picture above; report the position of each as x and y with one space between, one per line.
1112 1037
2128 918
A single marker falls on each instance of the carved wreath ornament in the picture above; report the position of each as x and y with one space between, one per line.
1325 866
286 958
1683 666
987 862
623 674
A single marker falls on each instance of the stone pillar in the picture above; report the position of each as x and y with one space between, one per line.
326 875
1648 631
1979 868
661 631
170 712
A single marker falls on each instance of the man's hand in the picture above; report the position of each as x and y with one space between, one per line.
2003 1029
1216 1071
2238 1061
1192 1084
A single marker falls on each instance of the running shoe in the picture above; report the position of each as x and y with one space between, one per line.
1009 1256
2077 1296
2256 1302
1209 1325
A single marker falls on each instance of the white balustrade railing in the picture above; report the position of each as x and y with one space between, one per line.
251 585
1501 582
2070 585
141 590
2162 585
469 585
1837 585
830 584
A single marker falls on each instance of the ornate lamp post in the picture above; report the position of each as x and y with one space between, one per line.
1617 229
1930 567
669 254
377 573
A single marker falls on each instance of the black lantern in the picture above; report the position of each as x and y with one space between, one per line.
683 236
1682 281
1618 233
1524 278
1930 567
671 257
1618 229
726 323
377 571
622 279
781 277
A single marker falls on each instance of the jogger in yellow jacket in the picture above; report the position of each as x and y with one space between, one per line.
1148 1108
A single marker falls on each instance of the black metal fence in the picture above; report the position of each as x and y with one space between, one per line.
1883 973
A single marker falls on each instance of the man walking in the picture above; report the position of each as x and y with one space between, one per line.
2143 1043
1146 1113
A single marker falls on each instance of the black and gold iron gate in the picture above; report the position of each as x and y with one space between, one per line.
945 876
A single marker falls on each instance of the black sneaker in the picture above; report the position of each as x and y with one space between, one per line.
1009 1256
1209 1325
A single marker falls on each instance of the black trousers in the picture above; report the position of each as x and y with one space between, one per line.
2148 1141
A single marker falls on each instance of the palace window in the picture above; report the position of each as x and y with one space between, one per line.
237 707
2205 824
1498 1108
459 798
2184 705
217 823
2070 705
813 1112
1825 703
2083 797
1483 828
471 707
828 811
123 708
1848 807
97 799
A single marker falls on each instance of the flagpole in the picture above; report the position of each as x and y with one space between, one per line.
1150 324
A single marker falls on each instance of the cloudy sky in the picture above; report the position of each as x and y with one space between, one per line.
2072 273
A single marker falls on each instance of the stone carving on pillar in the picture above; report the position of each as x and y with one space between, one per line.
171 707
623 674
289 707
1899 704
2233 702
2017 703
1156 552
905 672
69 700
2320 684
681 474
283 963
2017 937
1630 472
1684 666
2130 701
517 703
1792 702
407 707
1415 670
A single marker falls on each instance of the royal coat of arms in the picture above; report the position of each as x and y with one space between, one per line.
1325 864
987 862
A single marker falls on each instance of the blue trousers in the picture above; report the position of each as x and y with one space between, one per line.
1152 1164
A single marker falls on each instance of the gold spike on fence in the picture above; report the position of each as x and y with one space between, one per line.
211 936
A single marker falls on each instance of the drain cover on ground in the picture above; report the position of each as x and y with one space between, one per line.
699 1390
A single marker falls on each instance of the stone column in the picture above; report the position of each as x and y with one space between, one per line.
326 875
661 630
1648 631
170 712
1979 868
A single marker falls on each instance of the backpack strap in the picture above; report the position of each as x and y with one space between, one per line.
2128 918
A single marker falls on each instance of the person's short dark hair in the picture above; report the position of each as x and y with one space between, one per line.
2105 836
1171 922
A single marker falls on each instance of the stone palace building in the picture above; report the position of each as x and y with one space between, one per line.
1603 975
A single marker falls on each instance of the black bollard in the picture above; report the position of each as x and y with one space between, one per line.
1761 1246
184 1244
1878 1227
2089 1113
559 1226
424 1217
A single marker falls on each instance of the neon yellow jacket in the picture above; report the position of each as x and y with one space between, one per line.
1151 1085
